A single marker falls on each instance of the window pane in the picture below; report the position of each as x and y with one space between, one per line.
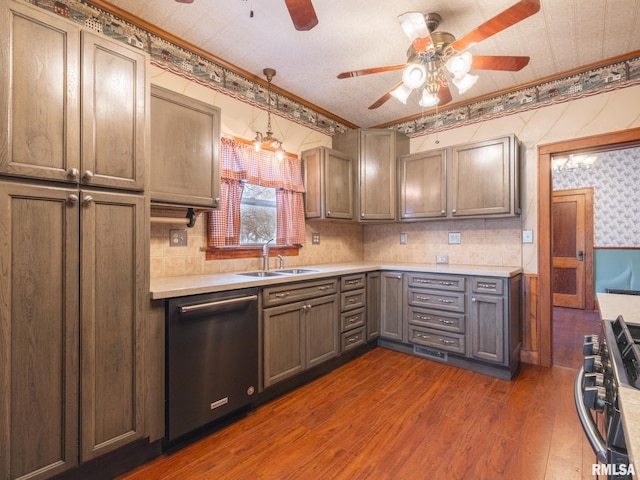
258 214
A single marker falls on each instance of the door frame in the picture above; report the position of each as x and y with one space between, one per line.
588 242
607 141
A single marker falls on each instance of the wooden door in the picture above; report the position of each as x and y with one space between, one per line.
39 94
338 185
39 233
572 246
113 294
487 328
423 185
284 342
114 113
377 175
322 330
391 318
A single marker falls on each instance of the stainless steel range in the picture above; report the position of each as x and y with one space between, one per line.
609 365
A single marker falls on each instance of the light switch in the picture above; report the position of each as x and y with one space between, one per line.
527 236
403 239
455 238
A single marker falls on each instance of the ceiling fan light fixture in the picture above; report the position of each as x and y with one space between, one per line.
414 75
414 25
459 65
465 83
402 92
428 99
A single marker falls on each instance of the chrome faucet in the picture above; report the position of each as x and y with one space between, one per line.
265 255
281 261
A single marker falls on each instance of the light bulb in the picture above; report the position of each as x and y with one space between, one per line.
401 93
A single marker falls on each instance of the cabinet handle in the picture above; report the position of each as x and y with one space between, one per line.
87 200
352 300
422 317
447 302
446 322
216 201
423 336
87 175
304 308
473 299
73 173
328 213
442 212
282 295
446 284
354 339
362 215
352 282
419 280
447 342
324 287
453 211
424 299
72 199
352 319
486 285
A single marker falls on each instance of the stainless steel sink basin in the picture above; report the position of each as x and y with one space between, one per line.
260 273
296 271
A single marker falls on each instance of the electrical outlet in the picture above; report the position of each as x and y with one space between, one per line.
527 236
315 239
442 259
403 239
177 238
455 238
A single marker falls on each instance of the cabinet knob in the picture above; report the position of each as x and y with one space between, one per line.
216 201
453 211
87 200
442 212
362 215
73 173
72 199
328 213
87 175
473 299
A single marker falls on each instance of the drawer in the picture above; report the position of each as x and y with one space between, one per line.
351 282
351 300
352 339
451 301
487 285
451 322
437 281
293 292
452 342
350 320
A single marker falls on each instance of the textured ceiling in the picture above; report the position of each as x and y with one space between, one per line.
355 34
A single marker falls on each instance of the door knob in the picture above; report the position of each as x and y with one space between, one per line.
580 255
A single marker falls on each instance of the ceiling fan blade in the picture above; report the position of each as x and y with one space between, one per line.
444 95
381 101
302 14
369 71
506 63
415 27
511 16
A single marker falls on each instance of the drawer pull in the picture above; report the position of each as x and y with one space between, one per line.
324 287
446 283
447 342
282 295
448 302
353 339
424 299
420 280
422 317
423 336
352 320
487 285
352 300
446 322
352 282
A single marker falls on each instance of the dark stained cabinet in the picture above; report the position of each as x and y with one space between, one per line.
423 185
392 325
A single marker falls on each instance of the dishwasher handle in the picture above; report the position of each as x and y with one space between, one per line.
219 303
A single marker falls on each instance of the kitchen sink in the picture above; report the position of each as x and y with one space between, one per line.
260 273
296 271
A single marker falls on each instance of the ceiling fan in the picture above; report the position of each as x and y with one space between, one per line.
432 54
301 11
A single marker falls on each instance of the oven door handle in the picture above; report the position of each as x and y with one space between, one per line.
588 424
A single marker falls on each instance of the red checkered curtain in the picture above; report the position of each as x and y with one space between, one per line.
240 163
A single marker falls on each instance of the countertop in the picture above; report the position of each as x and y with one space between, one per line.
170 287
611 305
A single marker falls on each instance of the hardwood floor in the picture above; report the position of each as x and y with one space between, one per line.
388 415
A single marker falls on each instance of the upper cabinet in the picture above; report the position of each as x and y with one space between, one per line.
376 152
328 180
185 149
485 178
473 180
73 103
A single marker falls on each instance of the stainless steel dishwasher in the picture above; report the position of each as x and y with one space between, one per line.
211 358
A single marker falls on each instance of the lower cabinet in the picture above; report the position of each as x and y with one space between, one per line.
302 334
373 305
73 271
392 325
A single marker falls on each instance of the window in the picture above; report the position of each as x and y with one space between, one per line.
258 222
273 188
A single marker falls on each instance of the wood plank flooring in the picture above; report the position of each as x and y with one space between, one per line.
388 415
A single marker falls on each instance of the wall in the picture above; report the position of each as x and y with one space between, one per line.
339 242
590 115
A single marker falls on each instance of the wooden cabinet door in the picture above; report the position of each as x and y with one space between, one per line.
313 182
481 177
284 342
185 145
423 185
322 329
377 180
114 112
338 185
373 305
391 306
39 94
39 233
487 328
113 293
